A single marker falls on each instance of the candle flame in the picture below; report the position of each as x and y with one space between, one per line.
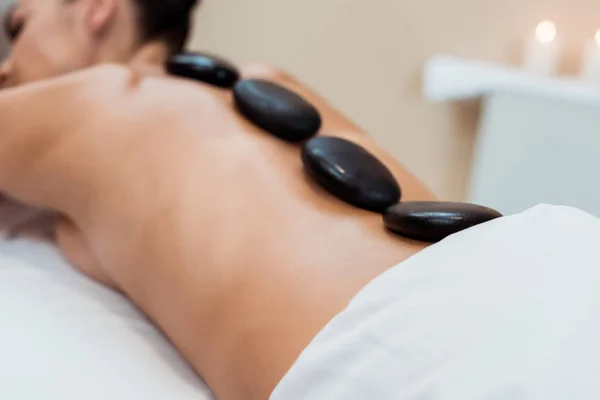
597 37
546 31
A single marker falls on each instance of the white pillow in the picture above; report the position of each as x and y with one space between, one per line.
64 337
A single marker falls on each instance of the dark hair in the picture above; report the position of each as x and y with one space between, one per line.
167 20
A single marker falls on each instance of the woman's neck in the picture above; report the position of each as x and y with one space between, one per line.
152 54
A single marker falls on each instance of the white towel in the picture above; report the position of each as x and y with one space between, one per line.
507 310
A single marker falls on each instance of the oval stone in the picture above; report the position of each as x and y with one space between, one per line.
432 221
276 109
350 173
203 67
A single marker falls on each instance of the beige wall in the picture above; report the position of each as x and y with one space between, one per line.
366 56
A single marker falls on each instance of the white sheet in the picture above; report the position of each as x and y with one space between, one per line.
509 310
63 337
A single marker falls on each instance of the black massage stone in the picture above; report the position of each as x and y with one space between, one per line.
277 110
432 221
203 67
350 173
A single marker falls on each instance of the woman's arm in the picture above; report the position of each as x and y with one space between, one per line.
37 121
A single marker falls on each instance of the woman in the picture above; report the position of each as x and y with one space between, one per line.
205 221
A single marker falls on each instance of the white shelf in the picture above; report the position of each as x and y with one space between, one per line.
537 139
448 78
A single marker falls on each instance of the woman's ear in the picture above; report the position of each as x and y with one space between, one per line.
100 14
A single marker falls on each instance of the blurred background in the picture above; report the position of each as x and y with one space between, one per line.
367 57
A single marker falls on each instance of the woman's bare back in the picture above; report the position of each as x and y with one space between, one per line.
205 221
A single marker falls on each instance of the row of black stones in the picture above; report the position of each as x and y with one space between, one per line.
341 167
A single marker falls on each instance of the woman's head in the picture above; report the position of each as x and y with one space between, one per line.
51 37
166 20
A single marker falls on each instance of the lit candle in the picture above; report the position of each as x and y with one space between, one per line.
542 50
590 67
